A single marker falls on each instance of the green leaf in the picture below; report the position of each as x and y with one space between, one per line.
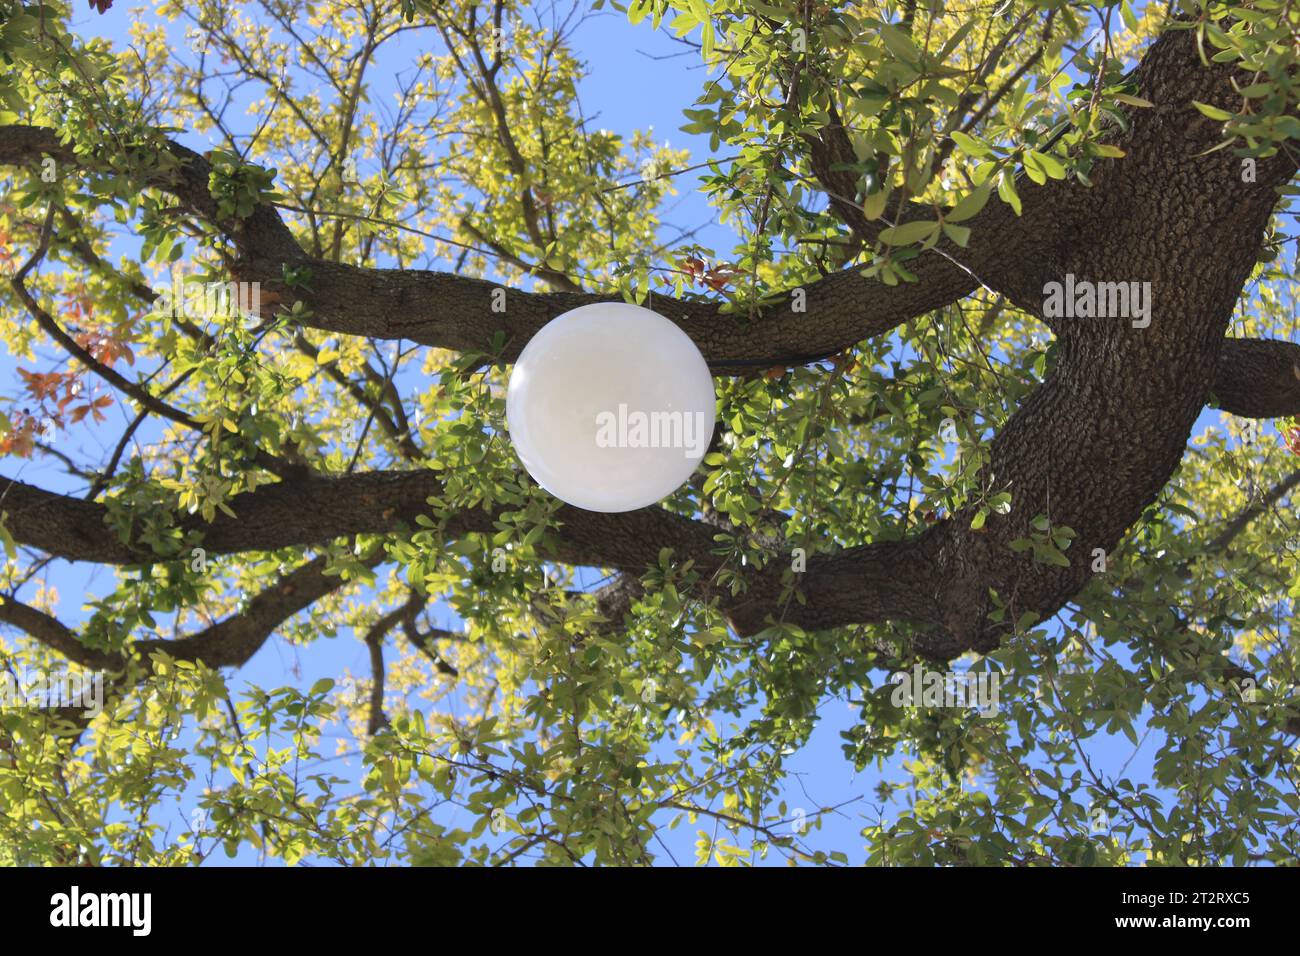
1007 192
1213 112
970 204
1129 17
1047 163
7 539
1133 100
900 44
958 234
970 145
908 232
874 204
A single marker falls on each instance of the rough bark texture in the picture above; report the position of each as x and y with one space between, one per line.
1093 446
1258 378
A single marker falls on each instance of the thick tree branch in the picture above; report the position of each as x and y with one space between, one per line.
228 643
457 312
1095 444
314 509
1258 378
183 173
54 634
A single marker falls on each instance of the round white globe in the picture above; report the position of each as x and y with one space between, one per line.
610 407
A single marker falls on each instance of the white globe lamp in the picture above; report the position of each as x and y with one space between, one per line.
610 407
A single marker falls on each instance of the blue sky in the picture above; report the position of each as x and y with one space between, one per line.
637 80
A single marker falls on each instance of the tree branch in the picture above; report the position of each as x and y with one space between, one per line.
457 312
1258 378
228 643
313 509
